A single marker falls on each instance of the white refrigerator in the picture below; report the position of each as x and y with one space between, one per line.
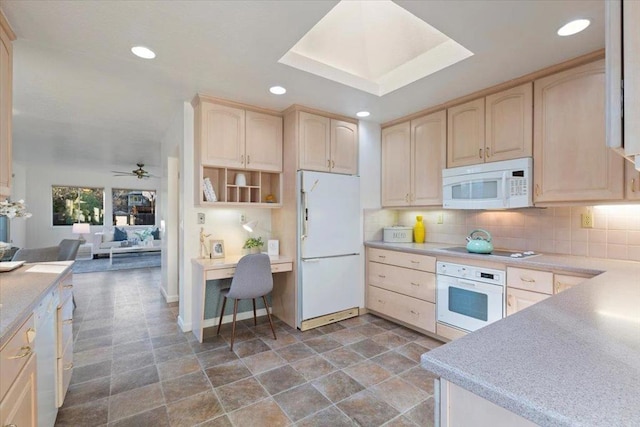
329 249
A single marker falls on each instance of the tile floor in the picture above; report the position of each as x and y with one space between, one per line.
133 367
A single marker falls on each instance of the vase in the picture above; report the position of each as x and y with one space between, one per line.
418 230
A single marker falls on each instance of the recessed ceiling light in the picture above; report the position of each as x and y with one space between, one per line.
143 52
573 27
277 90
363 114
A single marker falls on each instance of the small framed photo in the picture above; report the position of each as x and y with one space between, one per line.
217 248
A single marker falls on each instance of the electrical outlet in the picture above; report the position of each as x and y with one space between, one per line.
587 220
440 219
243 218
201 218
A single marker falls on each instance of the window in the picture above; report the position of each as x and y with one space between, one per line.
77 204
134 207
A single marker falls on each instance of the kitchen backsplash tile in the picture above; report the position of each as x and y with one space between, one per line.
616 232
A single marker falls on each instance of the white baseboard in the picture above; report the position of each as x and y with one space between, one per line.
208 323
169 298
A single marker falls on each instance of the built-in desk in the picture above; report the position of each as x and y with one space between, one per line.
215 269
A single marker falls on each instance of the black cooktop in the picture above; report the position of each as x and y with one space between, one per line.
497 252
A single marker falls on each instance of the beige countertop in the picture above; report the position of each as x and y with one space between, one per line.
21 290
232 261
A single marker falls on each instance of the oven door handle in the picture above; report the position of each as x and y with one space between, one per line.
465 282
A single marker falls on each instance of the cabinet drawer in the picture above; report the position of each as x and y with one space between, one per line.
66 287
417 284
517 299
65 325
15 353
530 280
562 282
403 259
65 370
409 310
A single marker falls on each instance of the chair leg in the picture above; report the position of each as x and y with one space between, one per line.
233 327
224 303
269 317
255 322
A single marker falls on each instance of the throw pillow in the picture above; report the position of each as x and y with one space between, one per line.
156 234
119 235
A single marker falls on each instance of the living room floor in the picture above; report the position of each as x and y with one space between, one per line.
134 367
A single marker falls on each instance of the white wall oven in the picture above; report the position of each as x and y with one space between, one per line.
469 297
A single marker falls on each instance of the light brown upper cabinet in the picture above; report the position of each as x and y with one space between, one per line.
421 145
632 181
238 138
571 159
490 129
6 78
327 145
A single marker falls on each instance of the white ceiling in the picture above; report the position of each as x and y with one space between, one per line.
81 97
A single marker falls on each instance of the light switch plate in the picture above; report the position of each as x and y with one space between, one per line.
201 218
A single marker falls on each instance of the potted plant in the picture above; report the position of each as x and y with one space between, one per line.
253 245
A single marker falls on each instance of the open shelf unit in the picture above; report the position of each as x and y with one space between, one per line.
258 186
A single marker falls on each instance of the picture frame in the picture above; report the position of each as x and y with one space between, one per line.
216 248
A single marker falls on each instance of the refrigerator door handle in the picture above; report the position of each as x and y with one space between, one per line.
311 260
305 215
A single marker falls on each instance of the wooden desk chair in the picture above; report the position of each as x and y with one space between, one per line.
252 279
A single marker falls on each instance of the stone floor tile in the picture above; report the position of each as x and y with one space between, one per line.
226 373
420 378
210 343
368 373
295 352
280 379
331 416
301 401
250 347
193 410
313 367
394 362
407 333
265 413
412 351
164 354
347 336
130 335
221 421
216 357
322 344
263 362
131 402
422 414
428 342
168 340
367 348
134 379
91 372
367 410
89 357
389 340
400 421
337 386
343 357
331 327
154 418
185 386
241 393
87 392
131 362
94 333
284 339
178 367
93 343
369 330
132 347
91 414
399 393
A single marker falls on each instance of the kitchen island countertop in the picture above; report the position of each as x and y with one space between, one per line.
570 360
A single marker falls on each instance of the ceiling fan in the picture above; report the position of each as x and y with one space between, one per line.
140 172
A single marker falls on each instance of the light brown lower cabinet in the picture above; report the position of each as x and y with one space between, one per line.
562 282
64 351
19 407
517 299
406 309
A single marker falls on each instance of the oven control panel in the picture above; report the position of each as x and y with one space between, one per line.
470 272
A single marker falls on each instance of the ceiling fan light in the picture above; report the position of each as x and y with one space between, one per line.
573 27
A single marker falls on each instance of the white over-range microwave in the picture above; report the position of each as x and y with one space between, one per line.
496 185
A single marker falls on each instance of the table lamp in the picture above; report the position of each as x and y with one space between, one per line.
81 229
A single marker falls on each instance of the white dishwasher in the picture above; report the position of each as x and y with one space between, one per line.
45 346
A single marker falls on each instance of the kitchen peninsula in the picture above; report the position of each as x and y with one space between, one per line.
569 360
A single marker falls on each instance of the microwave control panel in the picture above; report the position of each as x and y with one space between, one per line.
518 186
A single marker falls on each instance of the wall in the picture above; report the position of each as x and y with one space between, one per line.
40 231
18 226
616 232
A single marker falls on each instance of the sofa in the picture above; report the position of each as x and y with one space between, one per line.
104 240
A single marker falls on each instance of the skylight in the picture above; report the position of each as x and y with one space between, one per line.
374 46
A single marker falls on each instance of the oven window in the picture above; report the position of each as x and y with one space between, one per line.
468 303
475 190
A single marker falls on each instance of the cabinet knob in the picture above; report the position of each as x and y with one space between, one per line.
487 153
31 335
480 153
509 300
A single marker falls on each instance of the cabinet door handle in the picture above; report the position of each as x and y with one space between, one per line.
415 284
11 425
480 153
556 288
68 367
241 158
527 279
633 185
248 159
537 189
67 321
328 163
380 301
25 351
382 276
415 262
67 287
414 312
31 335
487 153
509 300
333 164
382 256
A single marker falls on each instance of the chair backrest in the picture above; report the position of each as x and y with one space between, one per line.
68 249
37 254
252 278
